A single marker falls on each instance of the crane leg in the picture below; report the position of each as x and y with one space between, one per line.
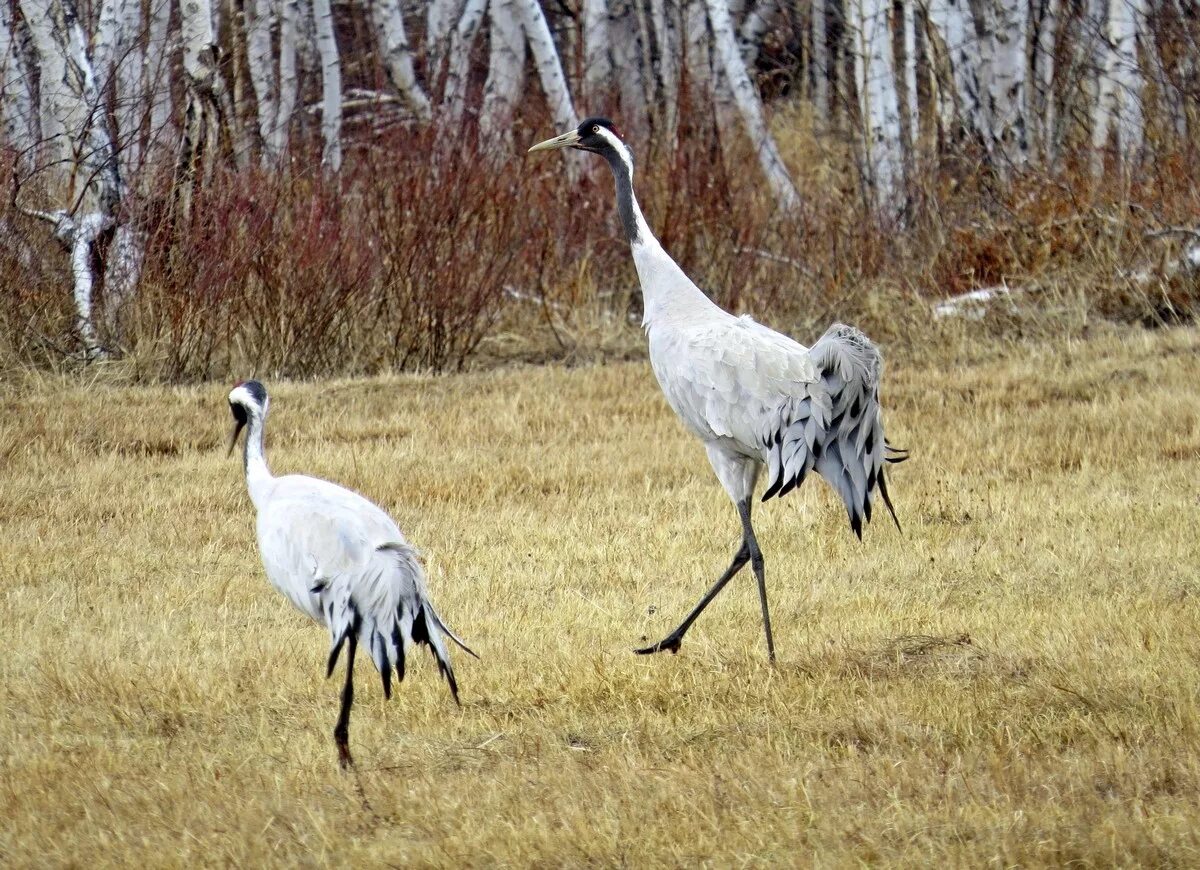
341 731
672 640
756 563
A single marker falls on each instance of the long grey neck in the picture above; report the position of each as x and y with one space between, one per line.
632 220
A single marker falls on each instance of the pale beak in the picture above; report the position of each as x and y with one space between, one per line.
566 140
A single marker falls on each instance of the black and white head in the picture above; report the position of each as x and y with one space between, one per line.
247 400
598 135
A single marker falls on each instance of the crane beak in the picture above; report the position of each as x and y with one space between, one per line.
566 140
233 436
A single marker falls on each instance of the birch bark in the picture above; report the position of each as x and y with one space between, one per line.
260 20
546 61
331 85
458 63
1118 109
388 17
1043 106
289 78
749 105
822 71
20 127
1004 28
157 78
597 65
506 77
912 117
878 103
202 124
440 19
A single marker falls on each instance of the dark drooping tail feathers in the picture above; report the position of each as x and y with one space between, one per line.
836 429
390 634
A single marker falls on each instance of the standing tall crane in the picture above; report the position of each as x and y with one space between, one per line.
342 561
754 396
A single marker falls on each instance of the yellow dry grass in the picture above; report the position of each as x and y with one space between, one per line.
1015 680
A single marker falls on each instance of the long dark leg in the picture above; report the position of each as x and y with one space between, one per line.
671 641
756 563
341 731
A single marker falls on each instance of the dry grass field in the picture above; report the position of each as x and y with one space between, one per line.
1015 680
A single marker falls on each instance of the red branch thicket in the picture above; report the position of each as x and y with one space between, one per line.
423 255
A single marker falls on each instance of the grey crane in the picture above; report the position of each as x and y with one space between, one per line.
342 561
753 396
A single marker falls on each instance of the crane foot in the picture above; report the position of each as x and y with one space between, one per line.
666 644
345 760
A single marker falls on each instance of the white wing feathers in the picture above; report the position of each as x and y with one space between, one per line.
341 560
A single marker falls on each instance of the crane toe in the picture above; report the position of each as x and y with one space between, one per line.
670 644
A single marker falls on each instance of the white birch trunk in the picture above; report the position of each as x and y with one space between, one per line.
441 16
754 27
1045 106
61 113
821 70
105 40
1118 109
201 132
260 20
388 17
157 78
331 85
458 63
912 115
878 103
749 105
132 95
1005 68
17 114
546 61
954 27
667 56
505 80
597 65
82 236
627 66
289 78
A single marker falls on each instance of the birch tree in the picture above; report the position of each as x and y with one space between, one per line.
911 109
1004 29
597 63
505 79
331 85
260 21
441 16
878 103
203 112
1043 106
17 116
546 61
1118 107
458 61
85 148
750 106
388 18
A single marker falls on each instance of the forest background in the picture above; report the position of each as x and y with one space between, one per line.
308 187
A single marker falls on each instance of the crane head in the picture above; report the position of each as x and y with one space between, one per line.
598 135
246 398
